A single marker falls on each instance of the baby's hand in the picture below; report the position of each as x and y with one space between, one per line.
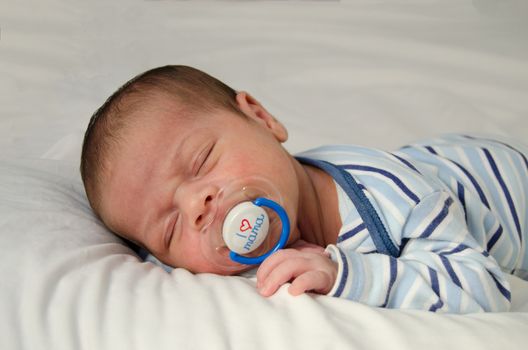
308 266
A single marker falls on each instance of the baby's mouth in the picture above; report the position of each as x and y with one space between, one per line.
213 245
215 222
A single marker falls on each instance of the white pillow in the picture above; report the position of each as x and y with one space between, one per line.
68 283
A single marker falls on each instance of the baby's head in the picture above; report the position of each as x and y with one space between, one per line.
168 154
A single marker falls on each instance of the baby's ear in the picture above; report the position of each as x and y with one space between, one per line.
254 110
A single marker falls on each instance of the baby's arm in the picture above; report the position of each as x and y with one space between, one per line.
440 268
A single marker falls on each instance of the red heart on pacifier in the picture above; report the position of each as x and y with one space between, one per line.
244 225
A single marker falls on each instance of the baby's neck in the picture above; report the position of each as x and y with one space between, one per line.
318 220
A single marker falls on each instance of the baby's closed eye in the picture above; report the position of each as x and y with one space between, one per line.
203 158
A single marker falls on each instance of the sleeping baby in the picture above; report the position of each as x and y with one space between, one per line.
435 226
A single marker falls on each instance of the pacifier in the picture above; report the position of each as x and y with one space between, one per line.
246 227
247 224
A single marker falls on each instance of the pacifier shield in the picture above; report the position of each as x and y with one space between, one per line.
245 227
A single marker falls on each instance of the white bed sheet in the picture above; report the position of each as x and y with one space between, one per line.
379 73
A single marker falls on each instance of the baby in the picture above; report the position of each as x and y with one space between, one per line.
432 226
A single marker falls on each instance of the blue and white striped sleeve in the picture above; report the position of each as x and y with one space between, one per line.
440 268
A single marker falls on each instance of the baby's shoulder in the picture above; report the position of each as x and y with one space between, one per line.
373 168
342 153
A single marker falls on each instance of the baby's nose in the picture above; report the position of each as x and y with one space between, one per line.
203 214
199 205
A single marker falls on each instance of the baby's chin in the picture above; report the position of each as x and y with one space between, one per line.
225 270
221 264
242 269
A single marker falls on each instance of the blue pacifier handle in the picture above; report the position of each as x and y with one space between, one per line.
285 233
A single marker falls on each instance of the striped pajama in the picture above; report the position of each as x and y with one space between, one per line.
433 226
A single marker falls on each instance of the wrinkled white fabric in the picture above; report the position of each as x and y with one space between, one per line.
382 73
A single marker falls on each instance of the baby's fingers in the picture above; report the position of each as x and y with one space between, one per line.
316 281
272 262
281 274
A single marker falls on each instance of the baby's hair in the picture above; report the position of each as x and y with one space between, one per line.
192 89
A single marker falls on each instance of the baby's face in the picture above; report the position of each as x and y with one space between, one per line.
164 182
